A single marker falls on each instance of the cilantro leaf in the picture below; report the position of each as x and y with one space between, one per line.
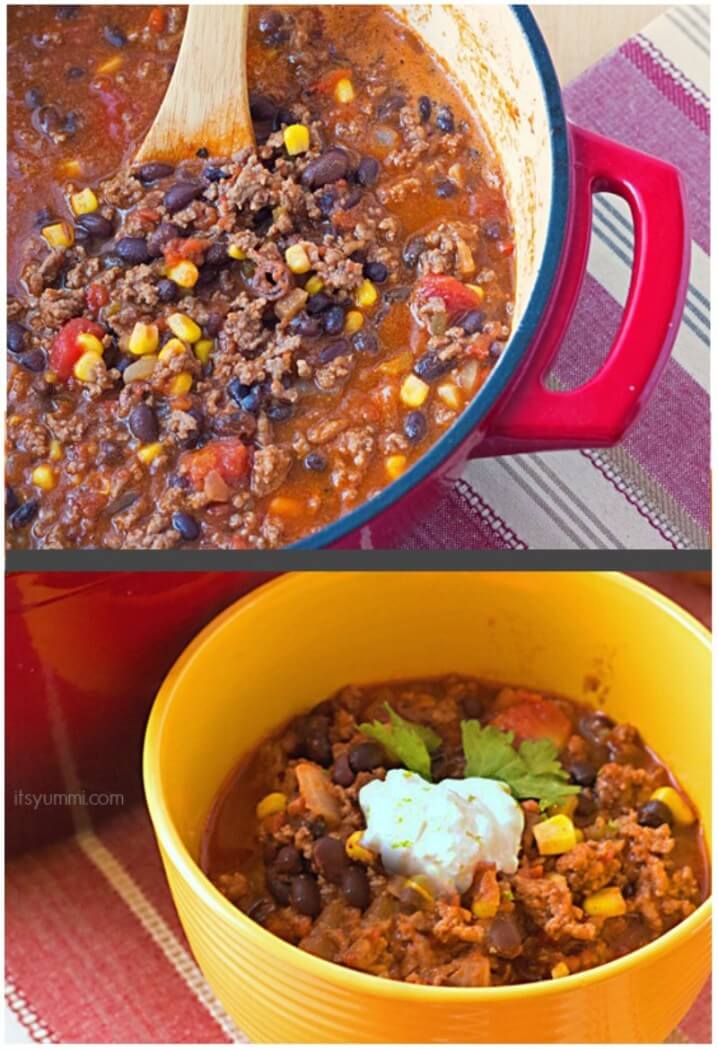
531 771
406 742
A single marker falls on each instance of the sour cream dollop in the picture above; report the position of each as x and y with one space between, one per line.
441 831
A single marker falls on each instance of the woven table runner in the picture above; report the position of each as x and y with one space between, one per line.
652 491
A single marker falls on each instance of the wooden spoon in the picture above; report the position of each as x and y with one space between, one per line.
206 104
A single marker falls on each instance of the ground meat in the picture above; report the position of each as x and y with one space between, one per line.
549 904
590 866
622 787
269 469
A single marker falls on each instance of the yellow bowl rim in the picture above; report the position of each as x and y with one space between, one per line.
321 969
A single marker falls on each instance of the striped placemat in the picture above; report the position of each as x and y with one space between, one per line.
652 491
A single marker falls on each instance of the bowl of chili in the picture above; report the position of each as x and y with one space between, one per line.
301 345
503 627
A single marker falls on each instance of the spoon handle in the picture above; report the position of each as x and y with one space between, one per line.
206 104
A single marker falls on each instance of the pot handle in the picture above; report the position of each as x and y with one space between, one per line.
598 413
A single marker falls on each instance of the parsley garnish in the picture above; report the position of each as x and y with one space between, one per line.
406 742
531 771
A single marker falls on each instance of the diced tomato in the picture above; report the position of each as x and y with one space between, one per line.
505 248
229 457
149 214
156 22
535 720
327 83
97 296
116 105
455 296
185 248
65 350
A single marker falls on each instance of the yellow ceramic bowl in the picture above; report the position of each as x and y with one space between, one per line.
292 643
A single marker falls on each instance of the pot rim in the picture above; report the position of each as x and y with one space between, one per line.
522 336
285 954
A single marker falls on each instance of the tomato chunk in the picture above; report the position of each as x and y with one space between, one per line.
97 296
455 296
534 720
229 457
65 350
179 248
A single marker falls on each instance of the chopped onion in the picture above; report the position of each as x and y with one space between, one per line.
468 374
385 136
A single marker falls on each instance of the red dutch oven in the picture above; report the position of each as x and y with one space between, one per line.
552 168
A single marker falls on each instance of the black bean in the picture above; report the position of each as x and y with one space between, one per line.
368 171
351 198
247 397
330 858
415 426
153 171
305 895
366 756
288 861
318 748
66 11
446 188
16 336
412 250
167 290
24 514
355 887
492 229
109 453
76 73
95 225
70 123
279 888
339 348
504 936
424 108
318 302
496 350
33 361
472 321
270 21
331 166
376 272
213 174
161 235
110 259
202 153
279 410
586 806
283 117
445 119
114 35
654 813
342 773
582 773
143 423
180 195
47 119
207 275
186 525
262 218
33 98
333 320
132 250
326 202
365 341
217 255
430 366
310 327
595 727
260 910
389 106
316 462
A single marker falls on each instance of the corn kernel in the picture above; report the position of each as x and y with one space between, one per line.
367 294
172 347
560 970
144 339
395 465
85 368
682 812
71 169
202 350
354 849
58 235
344 90
606 903
414 391
184 327
354 321
555 835
184 273
478 290
149 453
180 384
110 65
314 285
90 343
286 507
296 139
274 802
297 259
235 252
450 395
55 450
50 376
484 909
84 202
44 477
